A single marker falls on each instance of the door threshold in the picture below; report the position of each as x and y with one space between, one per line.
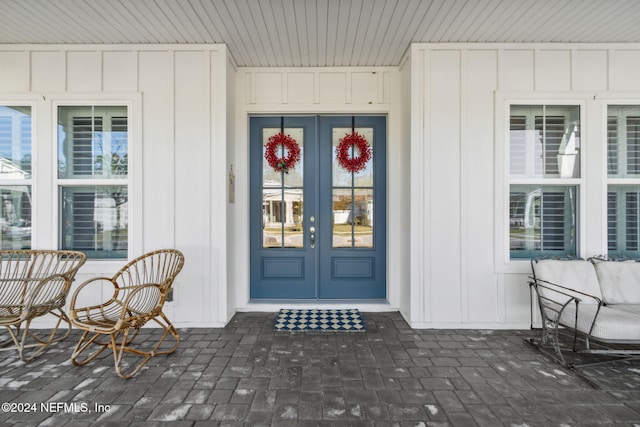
273 305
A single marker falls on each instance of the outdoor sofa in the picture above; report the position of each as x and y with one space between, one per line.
595 301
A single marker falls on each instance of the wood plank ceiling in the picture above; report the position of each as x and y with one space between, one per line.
300 33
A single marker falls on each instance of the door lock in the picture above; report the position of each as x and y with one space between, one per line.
312 236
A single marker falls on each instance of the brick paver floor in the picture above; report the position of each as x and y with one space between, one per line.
246 374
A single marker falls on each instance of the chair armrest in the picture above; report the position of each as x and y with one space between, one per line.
88 286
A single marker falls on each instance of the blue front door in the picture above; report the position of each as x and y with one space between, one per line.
317 207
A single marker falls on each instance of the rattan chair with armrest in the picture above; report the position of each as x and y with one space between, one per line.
35 283
137 295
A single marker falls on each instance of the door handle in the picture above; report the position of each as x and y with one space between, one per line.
312 236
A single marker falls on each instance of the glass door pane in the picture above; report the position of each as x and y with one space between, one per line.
282 192
353 192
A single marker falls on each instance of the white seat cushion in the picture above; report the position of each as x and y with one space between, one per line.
619 281
629 308
612 324
579 275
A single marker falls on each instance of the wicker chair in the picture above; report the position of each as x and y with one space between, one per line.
138 292
35 283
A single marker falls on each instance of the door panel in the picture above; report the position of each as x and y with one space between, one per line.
317 230
352 207
282 263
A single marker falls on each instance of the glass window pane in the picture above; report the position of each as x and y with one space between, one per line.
363 218
95 220
352 218
623 220
343 177
542 220
15 142
16 217
342 218
93 142
282 193
544 141
282 214
270 176
294 176
623 141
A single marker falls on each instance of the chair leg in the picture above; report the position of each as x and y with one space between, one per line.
169 329
51 338
118 353
21 337
119 349
83 344
13 343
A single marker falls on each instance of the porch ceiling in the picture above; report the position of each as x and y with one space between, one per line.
317 32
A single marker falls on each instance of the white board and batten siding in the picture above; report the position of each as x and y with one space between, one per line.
178 151
459 126
447 183
326 90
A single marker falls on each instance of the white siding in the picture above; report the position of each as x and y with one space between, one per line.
479 81
447 254
330 90
461 276
232 211
182 173
400 275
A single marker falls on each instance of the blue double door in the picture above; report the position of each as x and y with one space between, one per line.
318 207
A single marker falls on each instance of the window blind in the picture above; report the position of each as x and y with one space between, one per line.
623 220
518 145
552 129
82 221
633 145
6 136
612 223
85 129
556 212
612 145
631 221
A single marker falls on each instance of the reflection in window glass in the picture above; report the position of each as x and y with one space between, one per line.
95 220
623 220
282 213
623 141
15 142
93 142
341 176
283 196
352 197
542 220
623 197
16 217
352 218
544 141
544 145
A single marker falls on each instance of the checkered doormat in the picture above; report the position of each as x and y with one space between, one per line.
347 320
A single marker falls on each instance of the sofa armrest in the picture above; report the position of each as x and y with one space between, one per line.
563 291
560 306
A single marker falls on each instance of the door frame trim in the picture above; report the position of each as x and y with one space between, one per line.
378 304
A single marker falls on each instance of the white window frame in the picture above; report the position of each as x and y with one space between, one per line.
27 101
133 181
503 261
623 181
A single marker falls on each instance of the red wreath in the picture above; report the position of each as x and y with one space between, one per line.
359 143
282 164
